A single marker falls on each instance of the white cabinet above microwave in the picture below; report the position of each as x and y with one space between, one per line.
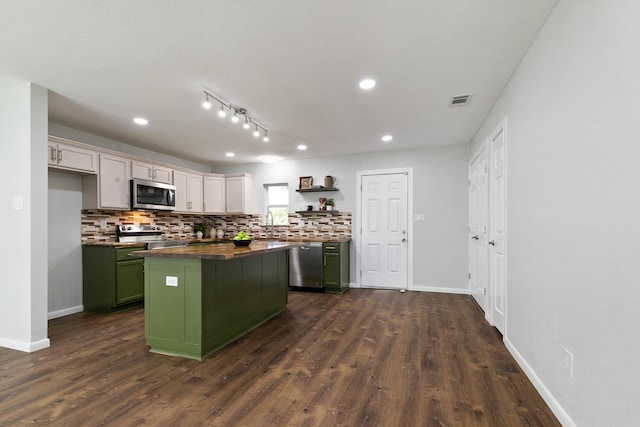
151 172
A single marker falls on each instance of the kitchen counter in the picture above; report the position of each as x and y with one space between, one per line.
114 244
220 251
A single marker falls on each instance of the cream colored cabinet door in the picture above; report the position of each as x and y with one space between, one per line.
113 180
214 200
188 191
66 156
151 172
239 193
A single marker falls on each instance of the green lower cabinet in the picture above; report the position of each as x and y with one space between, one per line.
111 279
194 307
335 270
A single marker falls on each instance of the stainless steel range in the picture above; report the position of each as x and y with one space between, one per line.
149 234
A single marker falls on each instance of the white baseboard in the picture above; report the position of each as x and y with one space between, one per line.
27 347
554 405
423 288
440 289
65 312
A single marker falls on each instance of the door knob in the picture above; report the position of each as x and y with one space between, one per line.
492 242
404 240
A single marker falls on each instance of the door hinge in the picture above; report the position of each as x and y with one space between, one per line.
469 275
484 291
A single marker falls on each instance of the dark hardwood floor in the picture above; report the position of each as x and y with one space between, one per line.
364 358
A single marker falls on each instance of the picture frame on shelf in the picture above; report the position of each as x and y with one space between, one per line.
306 182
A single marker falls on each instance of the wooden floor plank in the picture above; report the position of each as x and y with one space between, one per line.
363 358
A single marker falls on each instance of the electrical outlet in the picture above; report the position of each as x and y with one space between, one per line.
103 223
418 217
568 363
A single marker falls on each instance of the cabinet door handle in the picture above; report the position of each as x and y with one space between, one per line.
476 237
492 243
331 247
53 153
325 261
59 156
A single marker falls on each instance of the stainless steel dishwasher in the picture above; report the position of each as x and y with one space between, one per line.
305 266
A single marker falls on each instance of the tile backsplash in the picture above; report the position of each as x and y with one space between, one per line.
100 225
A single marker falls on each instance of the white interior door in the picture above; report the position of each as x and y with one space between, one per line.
384 231
478 224
497 227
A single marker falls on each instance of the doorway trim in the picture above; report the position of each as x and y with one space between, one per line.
357 221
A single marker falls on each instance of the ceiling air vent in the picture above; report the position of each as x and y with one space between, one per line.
460 100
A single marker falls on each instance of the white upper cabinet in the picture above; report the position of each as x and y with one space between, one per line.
68 156
239 193
188 191
151 172
214 190
110 188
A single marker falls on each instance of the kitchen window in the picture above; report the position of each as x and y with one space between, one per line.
277 197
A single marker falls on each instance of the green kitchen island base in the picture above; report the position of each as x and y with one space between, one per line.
194 307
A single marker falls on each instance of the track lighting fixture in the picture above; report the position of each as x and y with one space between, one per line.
236 114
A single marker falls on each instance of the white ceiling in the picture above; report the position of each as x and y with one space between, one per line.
294 65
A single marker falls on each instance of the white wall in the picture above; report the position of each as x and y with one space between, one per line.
573 274
65 250
23 171
440 192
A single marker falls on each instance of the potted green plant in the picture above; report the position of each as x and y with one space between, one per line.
329 204
199 229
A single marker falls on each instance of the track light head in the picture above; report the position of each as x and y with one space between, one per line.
222 113
206 104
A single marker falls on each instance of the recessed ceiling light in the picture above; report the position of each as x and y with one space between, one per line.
230 154
387 138
367 84
270 159
141 121
302 147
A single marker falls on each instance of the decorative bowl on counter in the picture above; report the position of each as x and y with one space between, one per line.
242 242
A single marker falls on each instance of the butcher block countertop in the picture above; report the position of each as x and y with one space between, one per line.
221 251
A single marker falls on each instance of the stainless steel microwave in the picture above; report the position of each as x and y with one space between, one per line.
152 195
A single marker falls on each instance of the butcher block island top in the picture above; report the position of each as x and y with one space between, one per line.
220 251
200 298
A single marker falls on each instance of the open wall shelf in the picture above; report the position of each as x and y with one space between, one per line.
318 212
316 190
